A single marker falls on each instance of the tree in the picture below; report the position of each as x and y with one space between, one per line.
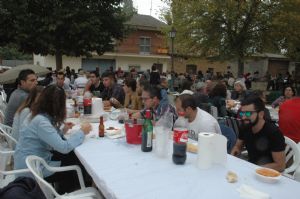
286 29
62 27
223 29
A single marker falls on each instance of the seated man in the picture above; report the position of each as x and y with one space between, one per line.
152 99
263 140
289 114
113 93
199 120
60 81
94 85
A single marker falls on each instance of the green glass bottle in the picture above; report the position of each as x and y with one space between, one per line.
147 133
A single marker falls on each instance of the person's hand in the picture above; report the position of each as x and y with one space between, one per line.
106 103
235 151
86 127
115 102
67 126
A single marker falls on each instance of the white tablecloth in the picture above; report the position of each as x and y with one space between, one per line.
123 171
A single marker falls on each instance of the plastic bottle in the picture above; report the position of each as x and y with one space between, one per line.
87 103
180 139
147 133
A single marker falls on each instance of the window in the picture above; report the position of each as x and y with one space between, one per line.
145 45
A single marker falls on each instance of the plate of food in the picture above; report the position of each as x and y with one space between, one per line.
267 175
112 130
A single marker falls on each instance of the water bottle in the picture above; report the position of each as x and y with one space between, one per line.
180 138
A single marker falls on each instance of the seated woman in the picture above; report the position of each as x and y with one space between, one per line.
288 93
218 98
24 110
240 91
132 100
42 136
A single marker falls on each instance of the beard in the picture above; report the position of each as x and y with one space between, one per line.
248 124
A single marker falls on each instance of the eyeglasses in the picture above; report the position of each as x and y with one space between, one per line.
246 113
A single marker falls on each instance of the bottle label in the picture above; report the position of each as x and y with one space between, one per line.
180 135
149 139
87 102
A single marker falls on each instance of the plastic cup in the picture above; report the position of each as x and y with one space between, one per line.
162 141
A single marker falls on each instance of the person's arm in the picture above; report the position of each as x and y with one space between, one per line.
279 161
87 86
49 134
237 149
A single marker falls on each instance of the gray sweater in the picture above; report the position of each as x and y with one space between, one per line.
15 100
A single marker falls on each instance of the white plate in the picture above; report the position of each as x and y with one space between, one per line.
267 179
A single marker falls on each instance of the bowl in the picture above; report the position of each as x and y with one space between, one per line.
267 175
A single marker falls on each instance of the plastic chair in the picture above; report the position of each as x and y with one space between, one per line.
35 164
214 112
6 135
292 153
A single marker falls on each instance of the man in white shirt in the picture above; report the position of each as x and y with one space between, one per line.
199 120
81 80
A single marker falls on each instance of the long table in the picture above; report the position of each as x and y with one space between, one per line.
123 171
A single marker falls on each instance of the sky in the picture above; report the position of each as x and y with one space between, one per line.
144 6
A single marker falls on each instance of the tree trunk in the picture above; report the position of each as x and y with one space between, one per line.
240 67
58 59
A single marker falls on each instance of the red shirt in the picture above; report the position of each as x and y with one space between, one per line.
289 119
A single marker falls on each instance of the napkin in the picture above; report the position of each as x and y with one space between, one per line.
249 192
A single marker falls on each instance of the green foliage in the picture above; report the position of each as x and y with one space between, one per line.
62 27
10 52
223 29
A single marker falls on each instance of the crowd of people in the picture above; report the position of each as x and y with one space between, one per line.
37 113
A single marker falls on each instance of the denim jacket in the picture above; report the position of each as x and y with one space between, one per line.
39 138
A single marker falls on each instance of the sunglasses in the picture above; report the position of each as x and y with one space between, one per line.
246 113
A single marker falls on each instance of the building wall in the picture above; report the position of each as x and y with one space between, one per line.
49 61
202 64
143 63
132 43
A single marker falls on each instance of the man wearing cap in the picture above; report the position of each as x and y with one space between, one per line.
27 80
113 93
199 120
81 80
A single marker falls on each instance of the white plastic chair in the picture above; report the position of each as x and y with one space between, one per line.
292 153
6 137
36 164
214 111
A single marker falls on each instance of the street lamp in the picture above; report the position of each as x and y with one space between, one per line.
172 35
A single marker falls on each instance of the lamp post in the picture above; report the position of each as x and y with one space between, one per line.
172 35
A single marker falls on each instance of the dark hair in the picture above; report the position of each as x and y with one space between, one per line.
60 73
52 102
219 90
28 103
23 75
154 91
131 83
95 73
186 85
293 90
259 105
153 67
187 100
108 74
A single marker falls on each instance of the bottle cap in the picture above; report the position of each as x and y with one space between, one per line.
181 113
148 114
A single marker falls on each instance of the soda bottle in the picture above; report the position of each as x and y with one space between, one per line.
101 127
147 133
87 103
180 138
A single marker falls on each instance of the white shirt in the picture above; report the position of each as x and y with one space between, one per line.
204 122
80 82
